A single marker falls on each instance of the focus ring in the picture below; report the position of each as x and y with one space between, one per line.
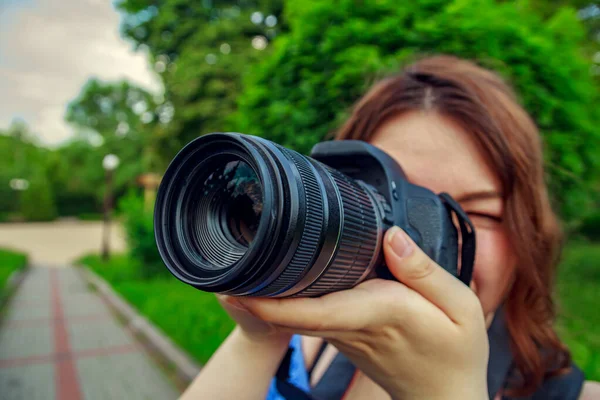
313 224
358 242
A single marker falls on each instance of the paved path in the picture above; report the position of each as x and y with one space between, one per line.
58 243
58 340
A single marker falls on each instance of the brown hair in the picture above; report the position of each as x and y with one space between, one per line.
485 106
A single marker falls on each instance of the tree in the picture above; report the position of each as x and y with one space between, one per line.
118 115
118 118
21 158
77 177
302 91
201 50
38 202
588 11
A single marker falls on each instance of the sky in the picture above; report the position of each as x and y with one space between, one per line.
49 49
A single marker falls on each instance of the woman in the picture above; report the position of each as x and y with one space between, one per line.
454 127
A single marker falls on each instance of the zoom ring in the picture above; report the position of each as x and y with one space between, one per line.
358 242
309 241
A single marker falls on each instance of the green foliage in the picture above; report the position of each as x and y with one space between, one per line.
578 287
70 178
112 110
10 261
22 158
37 202
120 268
9 200
139 228
193 319
302 91
201 50
588 13
90 217
118 118
590 227
77 177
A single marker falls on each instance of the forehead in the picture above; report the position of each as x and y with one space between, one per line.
437 153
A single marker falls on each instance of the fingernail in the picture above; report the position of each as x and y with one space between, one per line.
399 242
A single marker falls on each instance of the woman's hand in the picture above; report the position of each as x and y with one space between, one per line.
423 337
250 326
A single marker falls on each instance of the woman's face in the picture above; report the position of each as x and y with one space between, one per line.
437 154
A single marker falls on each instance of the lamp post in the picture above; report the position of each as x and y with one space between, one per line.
149 182
109 163
19 186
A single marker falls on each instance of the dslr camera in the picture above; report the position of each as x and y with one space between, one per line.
241 215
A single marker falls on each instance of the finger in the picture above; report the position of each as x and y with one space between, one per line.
244 317
352 309
411 266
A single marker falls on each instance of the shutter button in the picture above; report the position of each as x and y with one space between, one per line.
394 191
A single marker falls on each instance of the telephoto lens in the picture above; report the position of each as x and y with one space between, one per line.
241 215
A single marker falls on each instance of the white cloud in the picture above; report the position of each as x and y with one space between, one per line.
50 49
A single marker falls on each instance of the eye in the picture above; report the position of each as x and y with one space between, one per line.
485 216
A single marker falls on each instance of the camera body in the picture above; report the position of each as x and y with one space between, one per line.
418 211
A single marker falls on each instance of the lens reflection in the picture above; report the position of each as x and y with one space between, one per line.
237 195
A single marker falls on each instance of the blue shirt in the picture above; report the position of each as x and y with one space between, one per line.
298 374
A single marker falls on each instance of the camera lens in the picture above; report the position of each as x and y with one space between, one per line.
242 201
241 215
221 211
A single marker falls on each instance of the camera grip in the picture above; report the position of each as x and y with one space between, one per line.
428 225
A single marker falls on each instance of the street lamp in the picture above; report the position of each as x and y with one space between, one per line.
19 185
110 162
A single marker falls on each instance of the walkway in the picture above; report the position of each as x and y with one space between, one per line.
58 340
58 243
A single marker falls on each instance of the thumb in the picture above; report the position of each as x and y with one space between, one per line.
411 266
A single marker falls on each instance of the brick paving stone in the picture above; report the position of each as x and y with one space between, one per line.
28 382
82 304
25 341
25 312
123 376
34 290
92 356
97 334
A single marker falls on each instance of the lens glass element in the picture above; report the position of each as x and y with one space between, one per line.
237 195
222 211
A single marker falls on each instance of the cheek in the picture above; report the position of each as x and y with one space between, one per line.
494 268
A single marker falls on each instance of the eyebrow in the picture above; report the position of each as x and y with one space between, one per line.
481 195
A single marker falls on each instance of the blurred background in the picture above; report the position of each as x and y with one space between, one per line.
96 97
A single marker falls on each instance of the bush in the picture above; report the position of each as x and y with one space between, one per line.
590 227
139 230
9 199
302 91
90 217
120 267
70 203
37 202
578 285
10 261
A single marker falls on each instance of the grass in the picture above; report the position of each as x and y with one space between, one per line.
195 321
578 294
192 319
10 261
